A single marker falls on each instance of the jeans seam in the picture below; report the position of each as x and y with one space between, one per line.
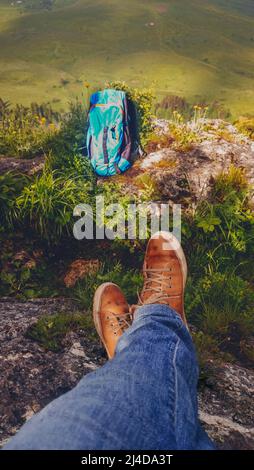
176 388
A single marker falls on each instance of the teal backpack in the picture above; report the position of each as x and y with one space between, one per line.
108 137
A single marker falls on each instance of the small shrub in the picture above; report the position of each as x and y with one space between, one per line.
81 166
26 131
29 131
232 181
224 134
113 193
26 282
13 282
247 348
70 140
228 218
11 185
183 134
50 330
143 101
158 142
209 222
148 186
246 126
218 241
24 272
218 111
130 281
207 349
165 164
200 114
219 300
47 203
173 103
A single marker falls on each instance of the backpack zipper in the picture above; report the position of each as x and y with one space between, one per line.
105 149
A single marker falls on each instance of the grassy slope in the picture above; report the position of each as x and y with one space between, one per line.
197 48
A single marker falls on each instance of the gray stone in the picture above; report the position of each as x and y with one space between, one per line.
189 174
31 377
25 166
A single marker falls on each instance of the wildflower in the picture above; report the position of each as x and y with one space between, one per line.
30 264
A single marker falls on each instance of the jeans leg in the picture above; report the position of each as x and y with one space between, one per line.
145 398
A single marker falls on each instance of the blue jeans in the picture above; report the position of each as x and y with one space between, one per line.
143 399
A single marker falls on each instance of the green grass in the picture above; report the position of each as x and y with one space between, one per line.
129 280
36 216
47 203
50 330
200 49
10 187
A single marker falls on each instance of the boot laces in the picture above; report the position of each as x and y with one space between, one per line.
119 322
154 285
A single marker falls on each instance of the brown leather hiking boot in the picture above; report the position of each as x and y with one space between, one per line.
165 273
111 315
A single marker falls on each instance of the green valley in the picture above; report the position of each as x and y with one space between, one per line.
198 49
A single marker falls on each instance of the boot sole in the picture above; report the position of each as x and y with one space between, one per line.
176 247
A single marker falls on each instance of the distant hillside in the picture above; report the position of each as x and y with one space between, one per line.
200 49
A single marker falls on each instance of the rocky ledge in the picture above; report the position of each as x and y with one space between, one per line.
25 166
185 176
31 377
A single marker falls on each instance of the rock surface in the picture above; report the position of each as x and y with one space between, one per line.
185 177
227 407
30 377
193 171
22 165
